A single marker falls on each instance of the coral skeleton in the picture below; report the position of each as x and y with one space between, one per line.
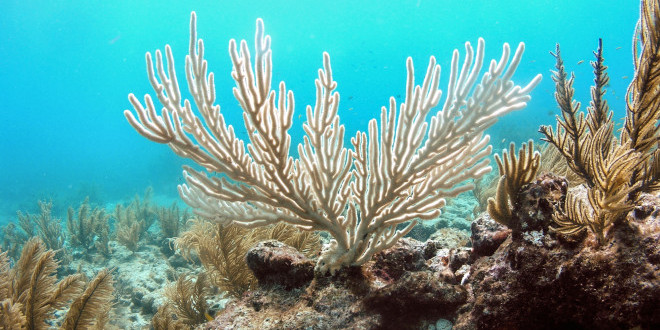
397 172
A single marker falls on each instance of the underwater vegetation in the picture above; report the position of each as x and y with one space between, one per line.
41 225
87 241
89 228
615 171
565 235
30 292
221 248
515 172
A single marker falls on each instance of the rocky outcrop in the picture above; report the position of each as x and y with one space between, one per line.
534 280
408 286
542 282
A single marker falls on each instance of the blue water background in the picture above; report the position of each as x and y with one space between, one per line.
66 68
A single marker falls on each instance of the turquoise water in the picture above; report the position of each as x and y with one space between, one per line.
66 68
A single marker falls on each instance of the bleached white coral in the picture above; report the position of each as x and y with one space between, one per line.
400 170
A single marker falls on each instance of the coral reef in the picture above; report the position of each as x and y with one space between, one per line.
604 278
551 252
90 245
535 281
395 175
568 277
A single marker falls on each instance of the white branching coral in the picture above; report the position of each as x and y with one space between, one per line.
400 170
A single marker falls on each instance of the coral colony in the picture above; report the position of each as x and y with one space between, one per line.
392 175
331 235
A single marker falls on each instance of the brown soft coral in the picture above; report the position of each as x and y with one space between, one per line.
615 171
30 292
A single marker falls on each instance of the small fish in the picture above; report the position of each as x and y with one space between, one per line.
351 108
580 62
618 48
113 40
624 77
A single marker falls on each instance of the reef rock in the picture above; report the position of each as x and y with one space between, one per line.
534 280
539 282
275 263
400 288
487 235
